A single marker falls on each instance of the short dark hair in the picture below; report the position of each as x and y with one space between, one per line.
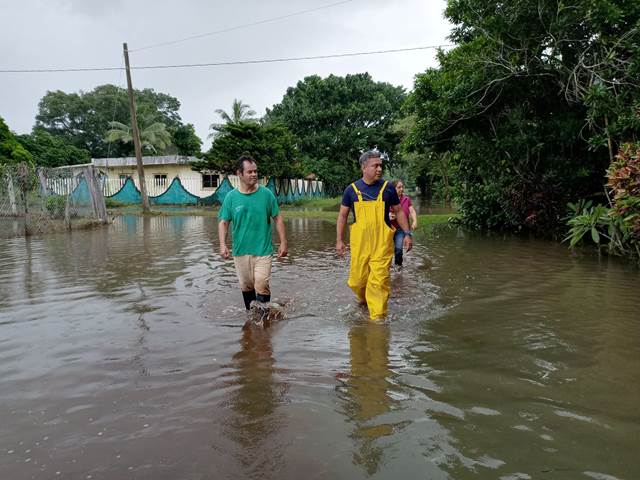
364 158
241 160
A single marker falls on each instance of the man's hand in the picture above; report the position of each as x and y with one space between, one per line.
408 243
283 250
224 252
341 226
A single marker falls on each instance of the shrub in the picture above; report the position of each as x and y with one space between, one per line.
55 205
624 188
617 227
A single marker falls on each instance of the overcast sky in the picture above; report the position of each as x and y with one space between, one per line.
90 33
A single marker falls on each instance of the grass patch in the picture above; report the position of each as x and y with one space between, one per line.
424 220
111 203
329 204
311 208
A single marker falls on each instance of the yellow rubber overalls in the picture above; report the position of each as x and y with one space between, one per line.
371 243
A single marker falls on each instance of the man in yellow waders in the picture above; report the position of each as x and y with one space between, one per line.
371 236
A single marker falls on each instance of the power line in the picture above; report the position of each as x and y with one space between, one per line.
238 27
220 64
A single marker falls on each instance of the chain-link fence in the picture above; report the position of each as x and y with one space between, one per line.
48 200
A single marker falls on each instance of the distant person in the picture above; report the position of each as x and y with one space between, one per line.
371 236
250 208
410 212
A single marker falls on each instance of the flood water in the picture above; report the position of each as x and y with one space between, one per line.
122 357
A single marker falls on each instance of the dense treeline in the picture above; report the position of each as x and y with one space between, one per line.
336 118
91 122
533 100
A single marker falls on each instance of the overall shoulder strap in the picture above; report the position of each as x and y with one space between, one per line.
384 185
353 185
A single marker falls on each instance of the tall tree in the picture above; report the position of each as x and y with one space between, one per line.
240 112
83 118
273 147
51 151
11 150
154 137
531 101
186 141
336 118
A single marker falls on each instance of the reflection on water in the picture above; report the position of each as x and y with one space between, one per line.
254 425
368 399
122 356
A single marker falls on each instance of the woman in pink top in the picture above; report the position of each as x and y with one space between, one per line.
410 212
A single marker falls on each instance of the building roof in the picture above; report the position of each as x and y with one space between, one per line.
151 160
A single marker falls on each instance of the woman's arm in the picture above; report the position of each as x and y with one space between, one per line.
414 217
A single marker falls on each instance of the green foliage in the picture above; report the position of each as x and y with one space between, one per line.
55 205
528 102
240 112
590 221
273 147
615 229
83 118
11 150
186 141
51 151
624 184
154 137
431 171
336 118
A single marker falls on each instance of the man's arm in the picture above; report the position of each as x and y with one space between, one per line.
341 226
283 249
223 228
401 218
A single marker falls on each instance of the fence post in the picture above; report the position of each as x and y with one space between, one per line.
43 183
97 198
12 194
67 213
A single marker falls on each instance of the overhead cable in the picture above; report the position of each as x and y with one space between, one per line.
220 64
238 27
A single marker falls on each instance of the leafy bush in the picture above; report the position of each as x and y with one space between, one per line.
624 188
55 205
615 228
587 220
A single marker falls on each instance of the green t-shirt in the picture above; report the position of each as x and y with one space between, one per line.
250 216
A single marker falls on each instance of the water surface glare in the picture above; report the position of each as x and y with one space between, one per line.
122 356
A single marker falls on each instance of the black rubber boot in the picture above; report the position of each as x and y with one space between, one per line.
263 298
248 297
398 257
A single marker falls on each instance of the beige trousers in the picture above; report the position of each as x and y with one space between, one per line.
253 273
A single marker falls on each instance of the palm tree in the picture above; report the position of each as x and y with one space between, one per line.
153 138
240 112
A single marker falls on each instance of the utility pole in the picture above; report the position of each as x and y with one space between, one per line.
136 134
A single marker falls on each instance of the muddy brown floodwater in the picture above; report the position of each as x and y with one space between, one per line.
122 356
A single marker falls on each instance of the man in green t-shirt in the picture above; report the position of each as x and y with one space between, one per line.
250 208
